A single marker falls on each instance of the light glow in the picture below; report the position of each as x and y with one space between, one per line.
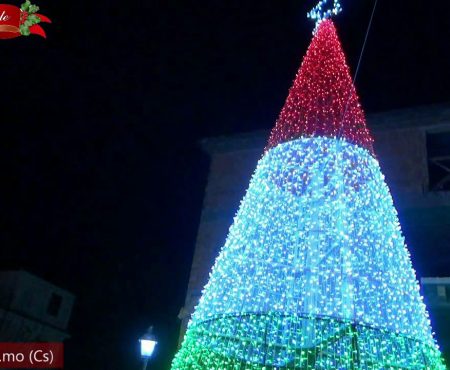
147 347
314 273
319 14
323 101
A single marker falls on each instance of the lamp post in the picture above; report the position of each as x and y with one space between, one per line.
148 344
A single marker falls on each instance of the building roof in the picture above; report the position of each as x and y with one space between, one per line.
435 280
432 117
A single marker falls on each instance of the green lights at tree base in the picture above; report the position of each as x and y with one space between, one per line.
316 343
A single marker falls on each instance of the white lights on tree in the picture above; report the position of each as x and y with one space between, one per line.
319 14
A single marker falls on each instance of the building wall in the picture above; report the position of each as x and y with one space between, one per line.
436 293
400 144
32 309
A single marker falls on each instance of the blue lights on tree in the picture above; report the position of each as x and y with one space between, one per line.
315 272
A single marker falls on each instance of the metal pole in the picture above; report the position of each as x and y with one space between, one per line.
145 363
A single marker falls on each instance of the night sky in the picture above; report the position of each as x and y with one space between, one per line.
102 175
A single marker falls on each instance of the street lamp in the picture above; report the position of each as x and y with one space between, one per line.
148 344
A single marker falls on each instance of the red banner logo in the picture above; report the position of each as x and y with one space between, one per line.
31 355
23 21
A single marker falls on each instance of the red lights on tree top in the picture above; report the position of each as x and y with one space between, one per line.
323 99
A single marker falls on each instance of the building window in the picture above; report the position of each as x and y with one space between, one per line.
441 291
54 304
438 151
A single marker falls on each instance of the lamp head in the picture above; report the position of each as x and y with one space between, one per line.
147 347
148 343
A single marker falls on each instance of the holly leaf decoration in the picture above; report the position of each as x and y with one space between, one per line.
24 30
33 18
25 6
33 9
28 18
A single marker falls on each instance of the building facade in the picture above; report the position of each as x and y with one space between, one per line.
413 148
436 293
32 309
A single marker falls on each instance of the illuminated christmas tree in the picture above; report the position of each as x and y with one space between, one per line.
315 273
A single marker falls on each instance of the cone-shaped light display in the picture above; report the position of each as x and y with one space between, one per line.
315 273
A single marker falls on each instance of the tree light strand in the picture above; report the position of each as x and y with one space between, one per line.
323 100
315 272
319 14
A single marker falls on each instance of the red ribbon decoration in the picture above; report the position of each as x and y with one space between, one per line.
10 22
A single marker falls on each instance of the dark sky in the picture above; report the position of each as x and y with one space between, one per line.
102 176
